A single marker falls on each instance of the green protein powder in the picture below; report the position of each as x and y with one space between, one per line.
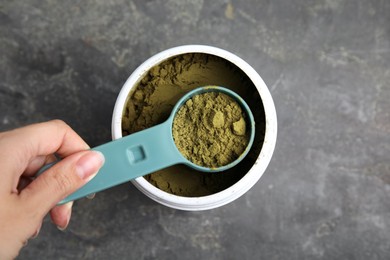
210 130
151 103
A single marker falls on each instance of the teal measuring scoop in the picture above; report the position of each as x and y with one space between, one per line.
150 150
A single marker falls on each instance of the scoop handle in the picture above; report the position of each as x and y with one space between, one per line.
131 157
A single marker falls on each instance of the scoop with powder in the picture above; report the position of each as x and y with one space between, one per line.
208 130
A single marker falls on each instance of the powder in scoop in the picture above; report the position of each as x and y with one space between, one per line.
209 130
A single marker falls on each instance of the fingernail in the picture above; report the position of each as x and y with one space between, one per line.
89 164
61 228
36 233
91 196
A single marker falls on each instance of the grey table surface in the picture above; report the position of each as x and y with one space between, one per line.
326 192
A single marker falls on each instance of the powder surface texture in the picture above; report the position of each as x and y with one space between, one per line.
205 130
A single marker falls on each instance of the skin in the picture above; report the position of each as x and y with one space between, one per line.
24 200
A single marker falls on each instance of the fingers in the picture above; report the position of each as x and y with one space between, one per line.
34 140
60 215
61 180
37 163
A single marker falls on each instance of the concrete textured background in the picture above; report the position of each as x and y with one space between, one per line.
326 193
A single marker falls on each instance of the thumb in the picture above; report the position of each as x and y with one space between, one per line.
62 179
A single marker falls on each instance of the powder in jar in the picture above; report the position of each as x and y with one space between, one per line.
151 103
210 130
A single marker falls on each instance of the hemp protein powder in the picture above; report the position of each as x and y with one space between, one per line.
152 101
209 130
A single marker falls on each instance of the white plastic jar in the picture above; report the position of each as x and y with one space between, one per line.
267 147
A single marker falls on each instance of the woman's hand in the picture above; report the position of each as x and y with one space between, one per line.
24 201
